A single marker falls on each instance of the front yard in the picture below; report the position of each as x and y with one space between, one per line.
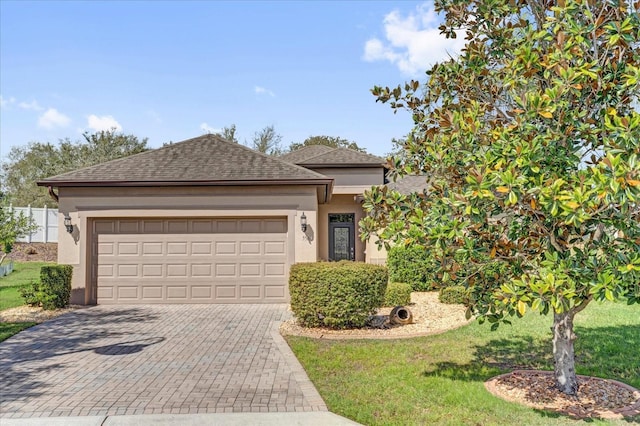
23 274
440 379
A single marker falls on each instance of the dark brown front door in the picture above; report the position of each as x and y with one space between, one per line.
342 244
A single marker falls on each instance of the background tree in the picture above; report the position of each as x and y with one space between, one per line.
229 133
332 141
104 146
532 145
267 141
13 226
26 165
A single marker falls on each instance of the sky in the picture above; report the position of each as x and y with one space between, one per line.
173 70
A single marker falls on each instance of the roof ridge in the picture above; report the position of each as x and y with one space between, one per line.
201 158
269 157
331 149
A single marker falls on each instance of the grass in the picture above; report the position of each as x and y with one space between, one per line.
440 379
8 329
23 273
10 285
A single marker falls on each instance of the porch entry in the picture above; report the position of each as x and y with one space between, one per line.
342 236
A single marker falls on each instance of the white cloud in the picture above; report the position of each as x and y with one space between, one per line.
208 129
33 106
104 123
52 118
4 103
413 43
263 91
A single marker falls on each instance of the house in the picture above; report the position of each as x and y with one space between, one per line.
209 221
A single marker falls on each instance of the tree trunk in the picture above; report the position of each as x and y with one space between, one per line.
563 355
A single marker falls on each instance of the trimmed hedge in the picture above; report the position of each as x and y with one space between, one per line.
397 294
456 294
336 294
54 289
414 266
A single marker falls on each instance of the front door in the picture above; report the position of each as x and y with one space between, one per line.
342 233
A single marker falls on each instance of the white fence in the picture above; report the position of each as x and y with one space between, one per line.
47 220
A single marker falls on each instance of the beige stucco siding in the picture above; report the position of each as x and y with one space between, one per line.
353 176
374 254
87 204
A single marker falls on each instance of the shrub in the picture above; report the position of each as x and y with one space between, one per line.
455 294
54 289
336 294
31 293
397 294
414 266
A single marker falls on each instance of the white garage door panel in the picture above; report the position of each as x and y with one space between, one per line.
191 261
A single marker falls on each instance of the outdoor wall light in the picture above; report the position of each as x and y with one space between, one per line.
303 222
67 224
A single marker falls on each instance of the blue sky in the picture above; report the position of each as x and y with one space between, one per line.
170 70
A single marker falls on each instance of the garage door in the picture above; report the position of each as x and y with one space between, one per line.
190 260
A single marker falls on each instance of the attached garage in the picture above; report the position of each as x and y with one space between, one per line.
205 260
199 221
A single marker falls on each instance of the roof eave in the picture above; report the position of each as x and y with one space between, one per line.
104 183
341 166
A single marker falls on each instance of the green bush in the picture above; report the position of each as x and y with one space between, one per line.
455 294
336 294
397 294
414 266
31 293
54 289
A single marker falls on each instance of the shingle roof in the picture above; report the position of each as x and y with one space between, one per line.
204 160
305 153
319 155
409 184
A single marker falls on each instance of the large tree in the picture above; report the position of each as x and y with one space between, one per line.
332 141
530 139
26 165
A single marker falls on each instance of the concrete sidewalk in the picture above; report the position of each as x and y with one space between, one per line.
324 418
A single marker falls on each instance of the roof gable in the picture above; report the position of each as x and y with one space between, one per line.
206 159
409 184
305 153
322 155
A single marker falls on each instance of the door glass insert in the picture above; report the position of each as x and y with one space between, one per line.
342 236
341 244
342 218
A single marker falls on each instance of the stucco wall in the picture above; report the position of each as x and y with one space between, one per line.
353 176
84 204
374 254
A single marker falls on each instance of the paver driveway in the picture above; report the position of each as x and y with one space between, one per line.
109 360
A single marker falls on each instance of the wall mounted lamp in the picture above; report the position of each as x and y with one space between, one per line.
303 222
67 224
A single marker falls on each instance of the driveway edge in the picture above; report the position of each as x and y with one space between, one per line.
308 389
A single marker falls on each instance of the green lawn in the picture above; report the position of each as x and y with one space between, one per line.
8 329
23 273
439 379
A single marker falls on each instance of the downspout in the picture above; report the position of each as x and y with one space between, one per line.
52 194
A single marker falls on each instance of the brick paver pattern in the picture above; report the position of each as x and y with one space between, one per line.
154 359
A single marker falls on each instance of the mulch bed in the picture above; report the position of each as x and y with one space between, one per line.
34 252
596 398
